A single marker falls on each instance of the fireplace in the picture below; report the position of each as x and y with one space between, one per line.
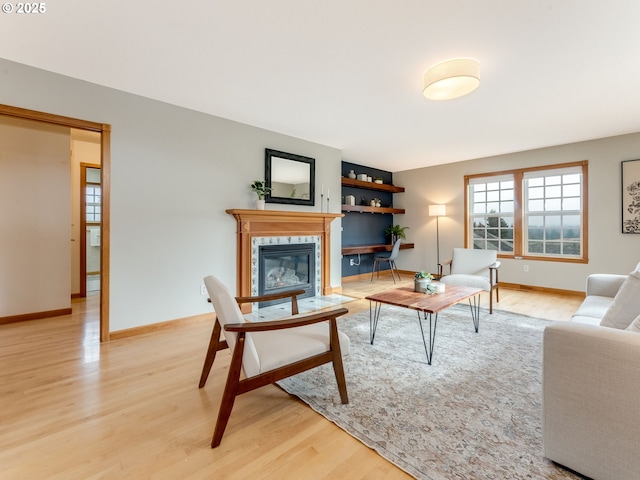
266 227
284 268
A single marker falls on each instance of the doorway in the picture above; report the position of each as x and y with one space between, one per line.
105 167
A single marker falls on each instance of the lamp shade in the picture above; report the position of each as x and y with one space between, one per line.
451 79
437 210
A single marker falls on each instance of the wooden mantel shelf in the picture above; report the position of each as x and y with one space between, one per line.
277 215
355 249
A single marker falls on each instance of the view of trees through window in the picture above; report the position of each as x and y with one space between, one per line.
535 213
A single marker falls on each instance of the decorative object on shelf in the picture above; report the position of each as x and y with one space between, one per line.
372 202
352 174
421 281
451 79
290 177
377 202
437 211
396 231
349 200
630 196
363 177
261 189
369 179
377 180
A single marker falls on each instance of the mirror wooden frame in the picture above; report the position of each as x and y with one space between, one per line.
271 173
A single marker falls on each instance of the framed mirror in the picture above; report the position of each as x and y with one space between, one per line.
292 178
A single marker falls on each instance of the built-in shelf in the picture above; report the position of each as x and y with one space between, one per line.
368 209
363 249
380 187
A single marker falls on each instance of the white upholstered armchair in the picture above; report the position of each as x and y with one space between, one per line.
266 352
471 267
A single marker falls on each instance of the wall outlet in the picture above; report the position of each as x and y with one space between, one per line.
203 290
352 262
526 268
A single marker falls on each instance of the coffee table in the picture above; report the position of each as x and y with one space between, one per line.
428 305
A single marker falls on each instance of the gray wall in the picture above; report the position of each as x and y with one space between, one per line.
609 250
173 173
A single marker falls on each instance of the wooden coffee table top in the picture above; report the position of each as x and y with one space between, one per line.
406 297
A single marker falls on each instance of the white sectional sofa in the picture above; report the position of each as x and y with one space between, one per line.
591 382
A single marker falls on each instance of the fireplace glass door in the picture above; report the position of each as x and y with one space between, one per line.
286 268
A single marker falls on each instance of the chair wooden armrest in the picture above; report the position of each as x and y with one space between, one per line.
274 296
290 322
441 267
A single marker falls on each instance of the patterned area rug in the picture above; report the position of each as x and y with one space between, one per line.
475 413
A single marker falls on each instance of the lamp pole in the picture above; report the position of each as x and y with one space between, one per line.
437 211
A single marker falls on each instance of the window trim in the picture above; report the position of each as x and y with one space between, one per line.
518 213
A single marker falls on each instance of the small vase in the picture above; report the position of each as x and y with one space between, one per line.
260 204
420 284
352 174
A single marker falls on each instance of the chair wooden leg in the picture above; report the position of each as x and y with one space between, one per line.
211 353
491 302
338 367
230 391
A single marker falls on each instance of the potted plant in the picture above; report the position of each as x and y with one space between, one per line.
396 232
421 281
261 189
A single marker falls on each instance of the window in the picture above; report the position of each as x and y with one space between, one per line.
535 213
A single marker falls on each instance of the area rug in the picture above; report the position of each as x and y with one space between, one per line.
475 413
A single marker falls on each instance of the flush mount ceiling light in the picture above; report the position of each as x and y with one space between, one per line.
451 79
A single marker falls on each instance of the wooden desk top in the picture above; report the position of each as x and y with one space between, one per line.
407 298
355 249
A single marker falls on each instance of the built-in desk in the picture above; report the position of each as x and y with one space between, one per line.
356 249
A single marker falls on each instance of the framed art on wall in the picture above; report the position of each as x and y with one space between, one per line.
631 196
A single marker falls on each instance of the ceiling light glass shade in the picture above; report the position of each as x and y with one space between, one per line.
451 79
437 210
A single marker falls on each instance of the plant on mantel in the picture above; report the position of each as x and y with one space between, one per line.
261 189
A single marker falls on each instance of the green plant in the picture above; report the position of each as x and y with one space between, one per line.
396 231
261 189
424 274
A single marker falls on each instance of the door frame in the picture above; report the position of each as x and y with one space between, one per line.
105 163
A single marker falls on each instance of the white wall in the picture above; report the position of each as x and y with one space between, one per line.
35 217
174 172
609 250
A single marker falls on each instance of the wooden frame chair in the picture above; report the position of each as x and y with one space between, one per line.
269 351
471 267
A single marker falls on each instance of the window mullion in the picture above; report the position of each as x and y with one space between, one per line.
518 214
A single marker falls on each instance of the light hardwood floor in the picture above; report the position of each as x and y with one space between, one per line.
71 408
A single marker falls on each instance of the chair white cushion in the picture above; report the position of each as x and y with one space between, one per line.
626 304
467 281
472 262
275 349
635 325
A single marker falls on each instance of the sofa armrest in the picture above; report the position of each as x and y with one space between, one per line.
604 284
591 387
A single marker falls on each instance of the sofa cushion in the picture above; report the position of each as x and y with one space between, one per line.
635 325
626 304
594 306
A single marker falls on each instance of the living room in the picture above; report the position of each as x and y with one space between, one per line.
174 171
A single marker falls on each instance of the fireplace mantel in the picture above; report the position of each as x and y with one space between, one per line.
266 223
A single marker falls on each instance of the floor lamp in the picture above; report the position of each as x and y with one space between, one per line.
437 211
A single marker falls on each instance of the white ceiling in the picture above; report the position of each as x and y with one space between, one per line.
348 73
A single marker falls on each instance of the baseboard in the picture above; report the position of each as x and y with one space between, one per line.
155 327
35 315
534 288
